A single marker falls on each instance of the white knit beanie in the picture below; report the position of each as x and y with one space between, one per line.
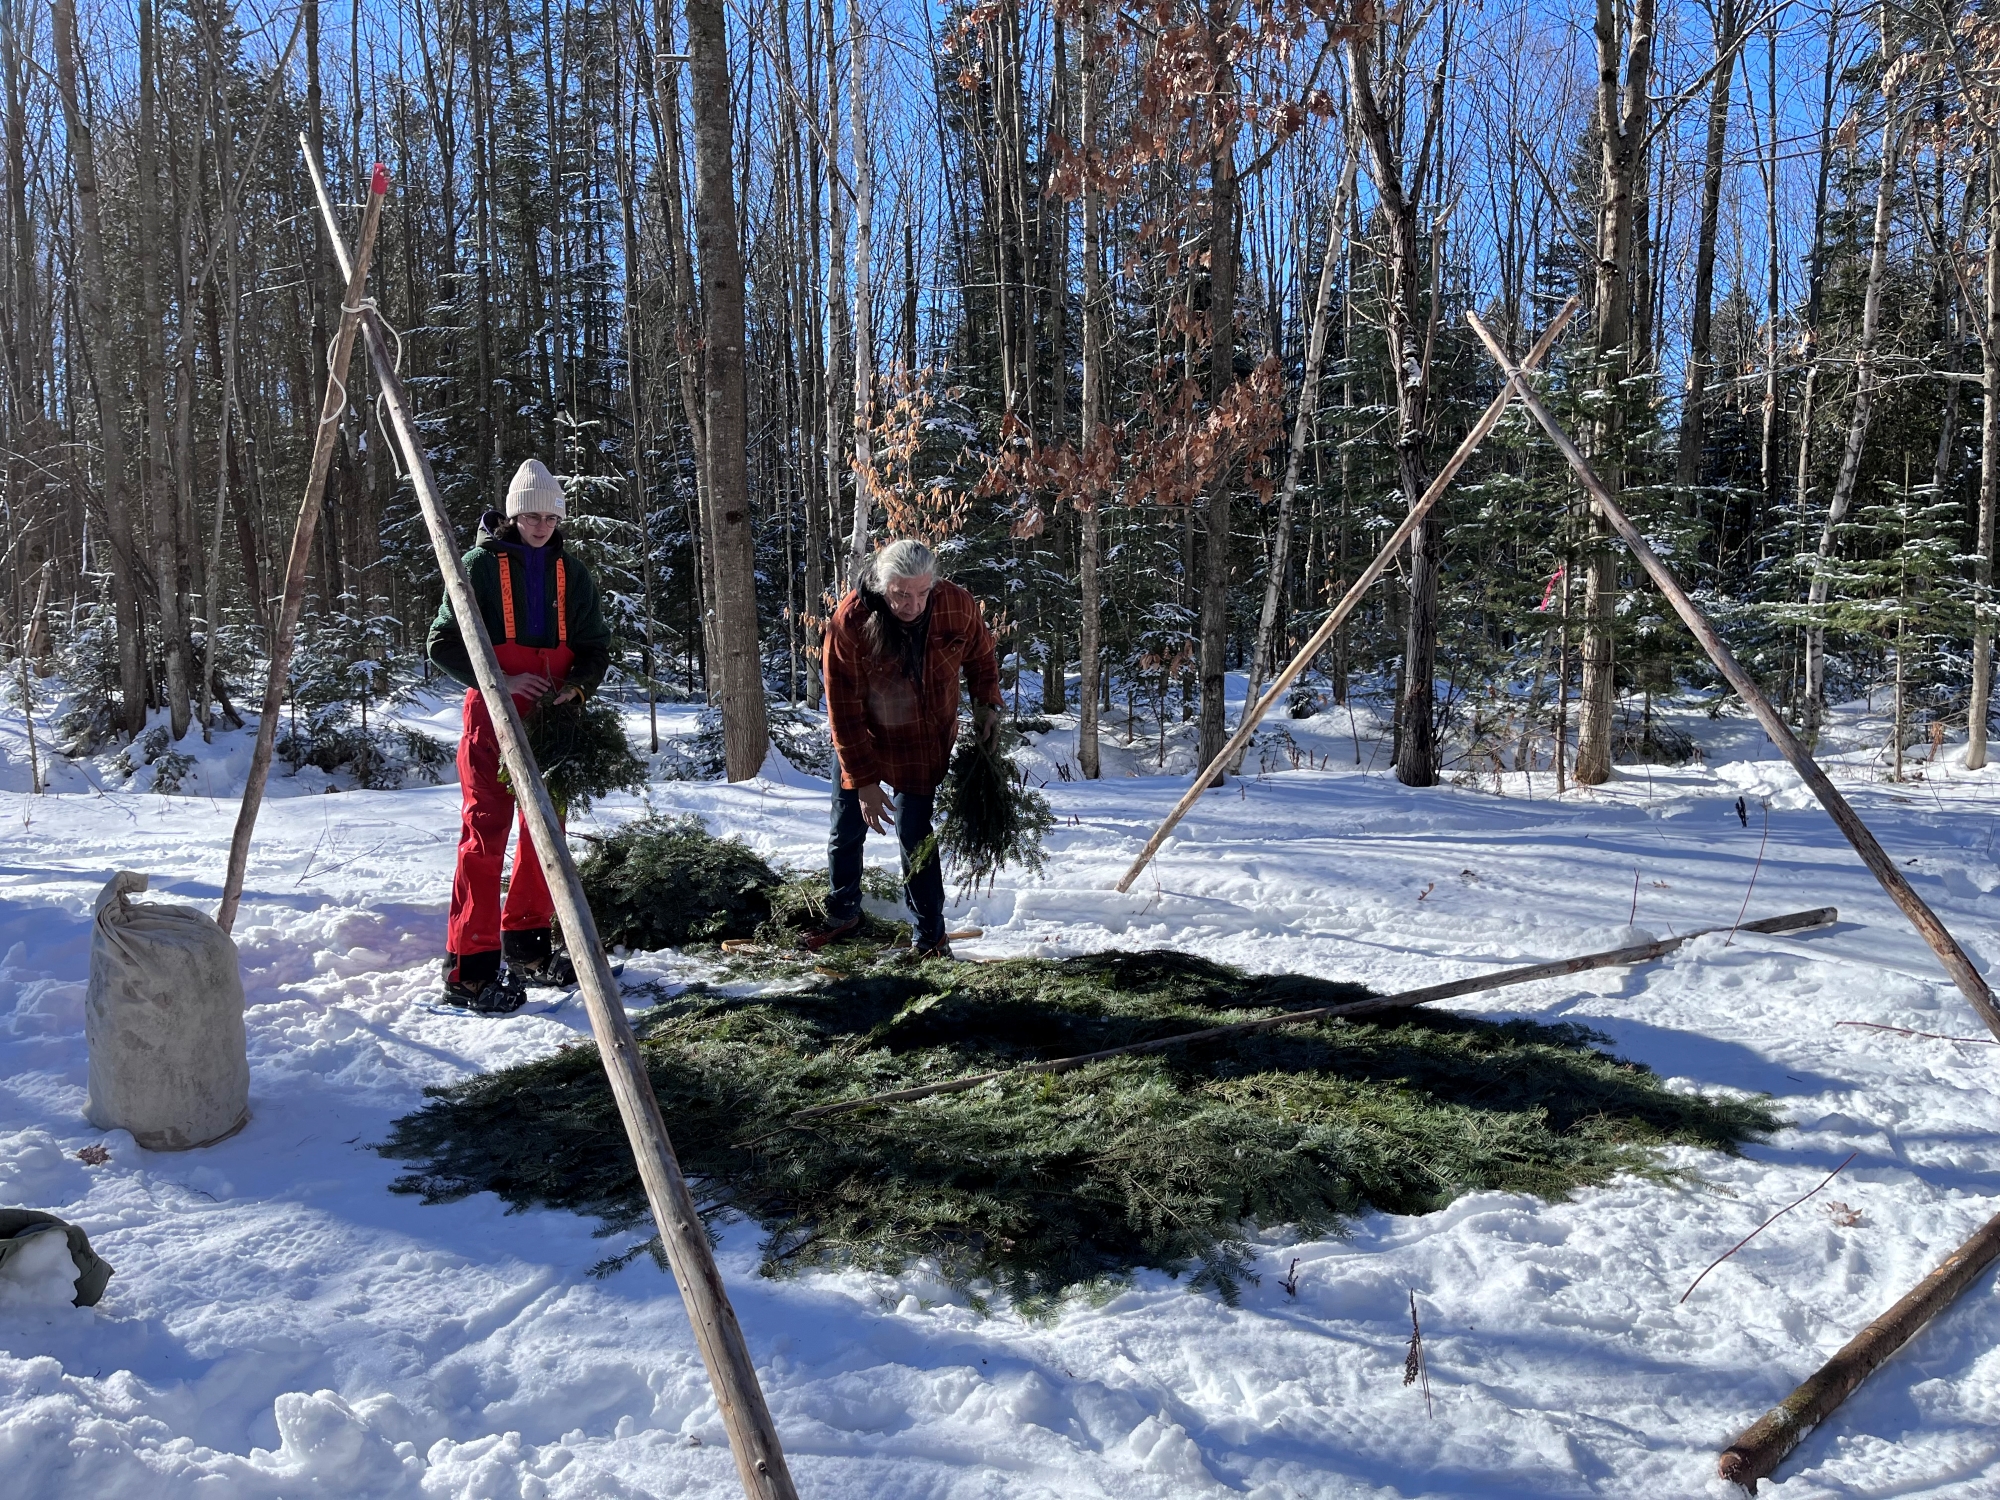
535 488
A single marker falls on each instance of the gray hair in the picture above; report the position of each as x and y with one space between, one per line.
900 559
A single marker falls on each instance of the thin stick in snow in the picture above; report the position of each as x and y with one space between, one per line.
1415 1366
1762 1446
1762 1227
1929 1036
1753 874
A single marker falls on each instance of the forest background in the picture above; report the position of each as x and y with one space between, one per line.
1150 316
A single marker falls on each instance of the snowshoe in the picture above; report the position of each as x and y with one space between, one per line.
833 932
491 997
477 983
940 951
533 959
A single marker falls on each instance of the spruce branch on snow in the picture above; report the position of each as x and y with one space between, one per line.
1159 1161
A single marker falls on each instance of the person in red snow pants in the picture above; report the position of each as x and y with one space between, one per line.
542 611
478 917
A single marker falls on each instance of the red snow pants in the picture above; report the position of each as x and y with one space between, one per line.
476 916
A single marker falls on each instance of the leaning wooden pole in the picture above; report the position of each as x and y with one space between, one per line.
1766 1443
753 1437
1639 953
285 629
1253 715
1971 983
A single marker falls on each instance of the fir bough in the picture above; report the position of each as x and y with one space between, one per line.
989 817
581 750
799 906
1166 1160
665 882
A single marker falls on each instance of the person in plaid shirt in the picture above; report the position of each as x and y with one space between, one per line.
894 651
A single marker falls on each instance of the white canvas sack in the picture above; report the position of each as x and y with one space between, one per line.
164 1023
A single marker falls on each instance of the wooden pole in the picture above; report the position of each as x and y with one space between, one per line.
753 1438
1766 1443
27 704
1639 953
282 636
1954 958
1253 715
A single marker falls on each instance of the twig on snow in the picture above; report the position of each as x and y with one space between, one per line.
1763 1226
1934 1036
1415 1366
1753 876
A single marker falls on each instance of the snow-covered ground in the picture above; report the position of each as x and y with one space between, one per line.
282 1325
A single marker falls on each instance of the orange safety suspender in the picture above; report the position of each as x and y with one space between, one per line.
507 601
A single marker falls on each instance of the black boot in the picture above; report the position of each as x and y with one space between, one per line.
474 982
532 958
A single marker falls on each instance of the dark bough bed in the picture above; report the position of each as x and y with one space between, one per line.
1166 1160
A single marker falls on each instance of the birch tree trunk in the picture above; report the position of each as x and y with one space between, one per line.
864 291
836 285
186 524
1857 422
95 295
165 510
1090 631
1693 413
1989 479
1767 456
1816 267
636 404
1279 574
1623 110
1223 250
683 317
1400 182
738 664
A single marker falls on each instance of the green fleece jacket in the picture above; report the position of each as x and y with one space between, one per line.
589 636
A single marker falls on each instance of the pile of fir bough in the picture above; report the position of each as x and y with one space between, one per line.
667 882
1166 1160
989 817
581 751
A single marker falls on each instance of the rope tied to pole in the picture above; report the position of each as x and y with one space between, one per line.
367 307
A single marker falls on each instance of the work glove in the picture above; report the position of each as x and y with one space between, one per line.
986 725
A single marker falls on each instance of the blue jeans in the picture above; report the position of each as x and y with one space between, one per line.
923 888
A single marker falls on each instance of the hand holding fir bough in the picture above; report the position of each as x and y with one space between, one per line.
991 818
581 750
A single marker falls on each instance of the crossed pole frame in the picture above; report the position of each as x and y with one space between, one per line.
1957 963
753 1436
1253 714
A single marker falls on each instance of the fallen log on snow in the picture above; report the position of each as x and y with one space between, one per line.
1819 916
1766 1443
